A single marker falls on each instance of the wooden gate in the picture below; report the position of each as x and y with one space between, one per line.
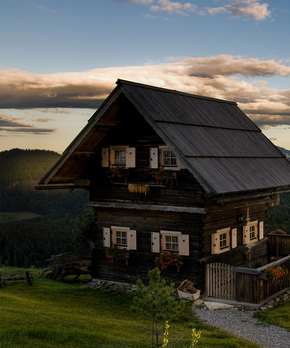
220 281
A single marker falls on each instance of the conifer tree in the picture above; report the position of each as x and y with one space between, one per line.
156 304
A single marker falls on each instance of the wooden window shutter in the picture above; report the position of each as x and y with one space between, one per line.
106 237
246 234
154 158
155 242
183 244
132 239
105 157
131 157
261 229
234 243
163 241
214 243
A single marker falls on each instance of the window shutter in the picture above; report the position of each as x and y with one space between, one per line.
112 156
132 239
163 241
214 243
154 158
183 244
106 237
261 230
155 242
131 157
234 238
246 234
105 157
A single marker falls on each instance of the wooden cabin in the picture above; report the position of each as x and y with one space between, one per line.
173 171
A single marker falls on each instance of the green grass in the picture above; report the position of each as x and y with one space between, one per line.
53 314
279 316
17 216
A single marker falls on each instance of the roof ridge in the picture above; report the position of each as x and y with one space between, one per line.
168 90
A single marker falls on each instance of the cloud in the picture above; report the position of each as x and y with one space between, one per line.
44 120
173 7
246 8
10 124
46 9
215 76
56 111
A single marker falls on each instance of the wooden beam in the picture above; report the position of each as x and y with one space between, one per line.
169 208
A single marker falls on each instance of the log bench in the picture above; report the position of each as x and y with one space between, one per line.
21 276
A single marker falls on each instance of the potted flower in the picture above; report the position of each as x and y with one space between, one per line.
168 258
165 177
278 231
118 172
273 272
114 253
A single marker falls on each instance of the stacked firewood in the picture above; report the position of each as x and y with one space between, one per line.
185 286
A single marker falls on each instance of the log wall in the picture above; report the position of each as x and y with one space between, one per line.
142 260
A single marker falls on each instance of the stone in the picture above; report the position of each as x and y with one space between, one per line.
216 305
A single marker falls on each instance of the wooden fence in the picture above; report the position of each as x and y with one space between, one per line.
246 285
279 244
220 281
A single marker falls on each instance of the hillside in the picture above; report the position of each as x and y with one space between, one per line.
286 152
35 224
20 171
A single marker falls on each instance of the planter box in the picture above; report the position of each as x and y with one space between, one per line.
188 296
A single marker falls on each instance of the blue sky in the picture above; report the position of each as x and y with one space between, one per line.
60 59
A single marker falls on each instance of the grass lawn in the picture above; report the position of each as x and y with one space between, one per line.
53 314
17 216
279 316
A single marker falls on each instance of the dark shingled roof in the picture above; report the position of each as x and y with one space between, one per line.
224 150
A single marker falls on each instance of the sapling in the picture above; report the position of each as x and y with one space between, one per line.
156 304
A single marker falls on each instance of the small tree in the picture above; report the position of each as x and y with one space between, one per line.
156 304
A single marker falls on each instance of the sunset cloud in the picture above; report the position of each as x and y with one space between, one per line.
246 8
216 76
173 7
10 124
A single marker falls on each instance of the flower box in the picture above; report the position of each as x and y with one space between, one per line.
187 296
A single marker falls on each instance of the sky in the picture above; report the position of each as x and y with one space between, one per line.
59 60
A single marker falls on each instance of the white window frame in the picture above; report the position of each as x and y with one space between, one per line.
110 237
248 230
179 165
130 159
183 242
215 241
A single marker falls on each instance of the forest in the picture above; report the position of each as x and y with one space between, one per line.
37 224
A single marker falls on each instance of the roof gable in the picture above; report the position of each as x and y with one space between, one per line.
216 141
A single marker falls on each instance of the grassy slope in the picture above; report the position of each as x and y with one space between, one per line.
52 314
279 316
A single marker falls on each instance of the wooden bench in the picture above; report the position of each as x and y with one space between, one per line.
21 276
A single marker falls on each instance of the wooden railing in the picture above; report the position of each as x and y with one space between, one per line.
279 244
253 285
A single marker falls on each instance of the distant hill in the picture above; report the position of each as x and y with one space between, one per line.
286 152
24 165
20 171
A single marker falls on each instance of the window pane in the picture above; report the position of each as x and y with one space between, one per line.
121 238
120 157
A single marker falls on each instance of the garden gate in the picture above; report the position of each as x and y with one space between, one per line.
220 281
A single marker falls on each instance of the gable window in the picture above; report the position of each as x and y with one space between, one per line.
115 156
173 241
220 241
123 237
168 158
120 157
250 232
